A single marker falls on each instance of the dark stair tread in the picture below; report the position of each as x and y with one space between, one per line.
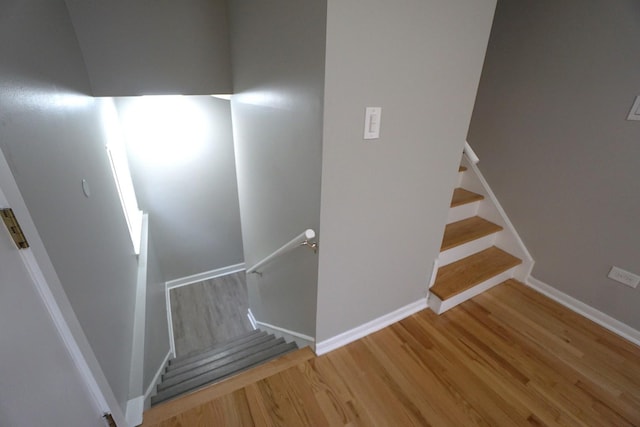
215 364
223 372
194 356
464 274
462 197
462 169
461 232
212 356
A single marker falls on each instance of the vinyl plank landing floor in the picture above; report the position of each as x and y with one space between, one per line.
209 313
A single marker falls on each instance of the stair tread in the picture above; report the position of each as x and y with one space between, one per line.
461 232
464 274
462 168
215 364
223 372
212 356
200 354
462 197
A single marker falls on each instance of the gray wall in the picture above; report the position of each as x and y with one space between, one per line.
186 182
51 135
549 127
384 201
154 46
156 337
278 69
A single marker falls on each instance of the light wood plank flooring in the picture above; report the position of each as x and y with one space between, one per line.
508 357
209 313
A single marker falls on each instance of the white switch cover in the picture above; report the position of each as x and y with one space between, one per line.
372 117
634 114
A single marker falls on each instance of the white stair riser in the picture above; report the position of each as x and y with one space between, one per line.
463 212
440 306
460 176
467 249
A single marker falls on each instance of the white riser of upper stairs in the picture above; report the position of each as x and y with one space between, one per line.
439 306
467 249
463 212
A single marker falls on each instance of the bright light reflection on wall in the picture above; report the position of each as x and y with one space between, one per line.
164 130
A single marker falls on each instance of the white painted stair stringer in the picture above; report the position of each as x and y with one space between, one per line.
491 210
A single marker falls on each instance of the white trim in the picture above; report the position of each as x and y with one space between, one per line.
172 341
470 153
206 275
365 329
252 319
156 378
136 375
602 319
301 339
135 408
60 323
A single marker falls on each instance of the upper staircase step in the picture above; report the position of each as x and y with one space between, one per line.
462 168
462 197
461 232
459 276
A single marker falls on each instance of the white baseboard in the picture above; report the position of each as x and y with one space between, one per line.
135 408
301 339
206 275
369 327
156 377
604 320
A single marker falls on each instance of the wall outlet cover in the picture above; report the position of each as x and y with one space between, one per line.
624 277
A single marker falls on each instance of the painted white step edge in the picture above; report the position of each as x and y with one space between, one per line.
467 249
602 319
463 212
439 306
460 175
300 339
370 327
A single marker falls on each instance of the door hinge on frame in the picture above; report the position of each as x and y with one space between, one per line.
109 419
12 225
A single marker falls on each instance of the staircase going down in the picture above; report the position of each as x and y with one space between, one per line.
187 373
470 260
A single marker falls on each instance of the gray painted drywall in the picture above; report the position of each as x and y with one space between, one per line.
549 128
186 182
156 337
51 135
385 201
154 46
278 71
38 377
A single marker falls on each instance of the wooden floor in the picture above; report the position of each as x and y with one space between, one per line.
508 357
208 313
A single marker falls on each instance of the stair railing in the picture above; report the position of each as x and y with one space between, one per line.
303 239
470 153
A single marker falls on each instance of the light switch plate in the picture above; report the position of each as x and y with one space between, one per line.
634 114
372 117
